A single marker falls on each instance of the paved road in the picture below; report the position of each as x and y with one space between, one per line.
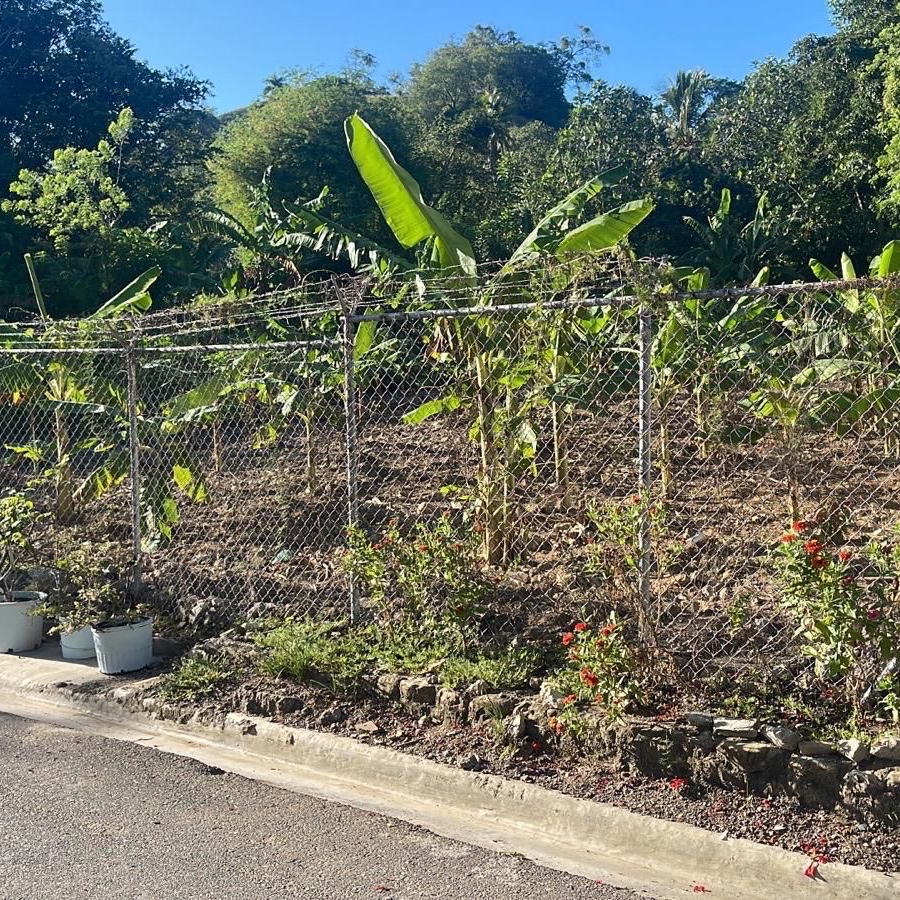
93 818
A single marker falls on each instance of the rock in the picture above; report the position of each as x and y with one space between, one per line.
477 688
471 763
700 719
736 728
703 740
781 737
891 778
816 748
550 696
855 750
754 756
369 727
887 748
416 693
332 716
534 684
389 685
451 706
516 727
289 704
494 705
816 781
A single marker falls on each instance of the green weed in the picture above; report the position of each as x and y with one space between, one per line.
195 678
509 668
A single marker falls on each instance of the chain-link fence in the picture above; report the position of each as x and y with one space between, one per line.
625 448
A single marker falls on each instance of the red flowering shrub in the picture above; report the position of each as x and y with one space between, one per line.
599 671
841 624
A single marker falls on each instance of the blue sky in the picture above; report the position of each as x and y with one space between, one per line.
235 44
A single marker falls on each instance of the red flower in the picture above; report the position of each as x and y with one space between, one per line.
844 555
580 626
556 725
813 547
571 698
589 678
810 870
378 546
799 527
788 537
700 889
607 630
818 562
873 615
567 638
677 783
422 548
635 499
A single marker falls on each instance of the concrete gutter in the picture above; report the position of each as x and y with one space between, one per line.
667 860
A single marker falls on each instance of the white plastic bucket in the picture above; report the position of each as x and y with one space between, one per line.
123 648
19 631
77 644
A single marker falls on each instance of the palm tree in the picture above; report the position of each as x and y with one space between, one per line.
684 104
500 137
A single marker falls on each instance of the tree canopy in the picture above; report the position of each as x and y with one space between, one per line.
494 129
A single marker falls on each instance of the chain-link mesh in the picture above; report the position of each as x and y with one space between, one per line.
605 466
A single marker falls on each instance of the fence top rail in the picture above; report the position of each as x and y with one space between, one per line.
138 350
146 334
731 293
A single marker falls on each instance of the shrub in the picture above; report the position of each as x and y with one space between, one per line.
848 630
434 574
599 672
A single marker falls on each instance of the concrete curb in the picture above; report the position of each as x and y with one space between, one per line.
666 859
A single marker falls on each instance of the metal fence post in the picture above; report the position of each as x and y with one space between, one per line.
645 422
134 447
350 434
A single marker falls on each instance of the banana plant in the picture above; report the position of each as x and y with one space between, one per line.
73 385
701 348
865 324
495 376
794 401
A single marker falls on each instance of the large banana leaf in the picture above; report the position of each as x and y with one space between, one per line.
606 230
399 198
132 297
553 226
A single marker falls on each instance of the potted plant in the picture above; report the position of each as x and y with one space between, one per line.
95 616
122 630
81 586
20 630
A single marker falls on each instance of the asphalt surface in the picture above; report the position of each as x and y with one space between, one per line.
88 817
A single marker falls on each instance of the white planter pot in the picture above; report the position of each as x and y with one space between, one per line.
77 644
123 648
19 631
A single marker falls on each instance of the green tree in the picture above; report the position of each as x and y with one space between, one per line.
296 131
816 155
64 75
79 196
